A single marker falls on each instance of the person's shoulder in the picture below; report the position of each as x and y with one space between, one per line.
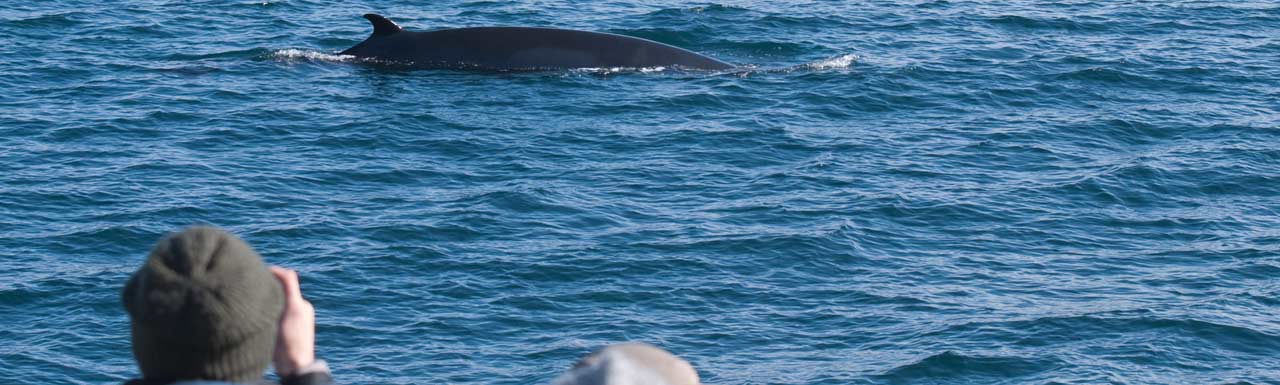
186 382
313 378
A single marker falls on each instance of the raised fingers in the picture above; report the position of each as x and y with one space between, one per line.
288 281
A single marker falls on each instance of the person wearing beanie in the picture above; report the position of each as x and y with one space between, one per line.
204 308
630 363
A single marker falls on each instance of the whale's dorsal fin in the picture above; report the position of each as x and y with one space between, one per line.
382 26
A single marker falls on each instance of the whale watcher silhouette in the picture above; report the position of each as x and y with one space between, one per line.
520 48
630 363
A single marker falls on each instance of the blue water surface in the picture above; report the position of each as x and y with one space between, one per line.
906 192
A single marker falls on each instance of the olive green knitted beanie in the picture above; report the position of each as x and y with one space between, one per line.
203 306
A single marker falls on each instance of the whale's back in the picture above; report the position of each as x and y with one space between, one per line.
522 48
525 47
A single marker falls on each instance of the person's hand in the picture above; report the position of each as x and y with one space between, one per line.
296 344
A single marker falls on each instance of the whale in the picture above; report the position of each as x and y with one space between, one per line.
520 48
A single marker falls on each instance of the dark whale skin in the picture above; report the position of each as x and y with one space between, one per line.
521 48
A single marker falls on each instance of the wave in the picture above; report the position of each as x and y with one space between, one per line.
838 62
714 9
1047 23
233 54
1107 325
841 62
54 20
953 365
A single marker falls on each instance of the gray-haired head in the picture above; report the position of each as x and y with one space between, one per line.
630 363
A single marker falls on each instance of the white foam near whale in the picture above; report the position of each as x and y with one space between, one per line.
293 54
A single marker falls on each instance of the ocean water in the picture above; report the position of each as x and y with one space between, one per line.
913 192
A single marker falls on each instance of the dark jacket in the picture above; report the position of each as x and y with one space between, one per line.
316 378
